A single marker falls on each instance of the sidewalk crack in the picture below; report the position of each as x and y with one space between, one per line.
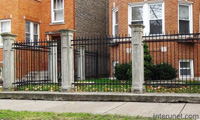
113 108
182 109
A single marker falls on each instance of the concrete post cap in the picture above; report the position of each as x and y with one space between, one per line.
8 35
136 26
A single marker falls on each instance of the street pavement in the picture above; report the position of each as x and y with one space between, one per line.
120 108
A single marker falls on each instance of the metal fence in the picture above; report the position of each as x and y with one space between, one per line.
37 66
97 59
173 63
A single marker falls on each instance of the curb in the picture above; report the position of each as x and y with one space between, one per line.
116 97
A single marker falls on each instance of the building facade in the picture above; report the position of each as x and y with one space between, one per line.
160 17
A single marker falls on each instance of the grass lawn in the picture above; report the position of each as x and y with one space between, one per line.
24 115
103 85
107 85
42 87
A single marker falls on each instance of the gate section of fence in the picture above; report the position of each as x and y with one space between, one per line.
37 66
102 64
172 63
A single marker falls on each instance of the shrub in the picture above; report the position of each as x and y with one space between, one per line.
122 71
148 63
163 71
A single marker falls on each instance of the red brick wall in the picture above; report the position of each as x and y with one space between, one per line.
37 11
171 15
175 50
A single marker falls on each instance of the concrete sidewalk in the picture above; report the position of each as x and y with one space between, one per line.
120 108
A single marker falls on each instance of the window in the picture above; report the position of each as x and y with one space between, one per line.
57 10
185 18
32 32
151 15
186 69
137 15
5 27
115 63
115 22
155 19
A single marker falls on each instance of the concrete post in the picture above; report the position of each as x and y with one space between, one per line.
8 61
81 64
52 61
67 59
137 58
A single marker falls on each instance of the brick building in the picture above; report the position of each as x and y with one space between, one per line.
159 17
92 18
36 20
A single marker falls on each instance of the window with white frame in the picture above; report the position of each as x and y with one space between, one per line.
115 22
32 32
137 15
115 63
185 18
156 18
5 27
57 10
186 69
150 14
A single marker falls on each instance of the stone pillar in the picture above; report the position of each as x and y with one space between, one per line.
8 61
137 58
67 59
81 64
53 62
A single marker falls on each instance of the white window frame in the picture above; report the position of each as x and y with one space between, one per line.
132 12
114 65
189 4
146 15
1 40
52 12
191 69
32 31
114 20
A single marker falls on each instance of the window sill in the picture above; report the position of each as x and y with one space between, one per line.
57 23
1 46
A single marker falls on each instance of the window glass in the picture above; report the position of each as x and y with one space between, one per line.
185 64
156 11
184 12
184 22
185 68
116 30
35 34
27 27
115 63
184 26
155 26
115 23
137 13
185 72
156 19
58 10
5 26
36 29
116 17
32 33
27 31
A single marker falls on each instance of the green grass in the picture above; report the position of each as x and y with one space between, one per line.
42 87
107 86
24 115
95 85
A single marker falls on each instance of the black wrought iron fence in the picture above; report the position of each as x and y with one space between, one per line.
37 66
172 63
99 62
